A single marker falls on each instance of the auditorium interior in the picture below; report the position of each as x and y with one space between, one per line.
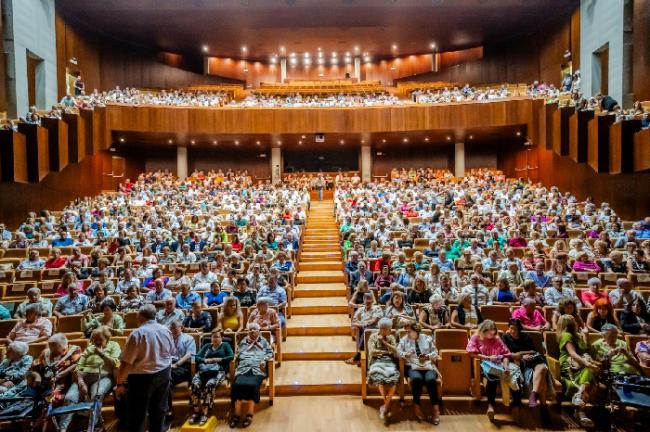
324 214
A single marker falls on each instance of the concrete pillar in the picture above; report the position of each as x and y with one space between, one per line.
366 163
276 164
357 68
459 159
181 162
283 69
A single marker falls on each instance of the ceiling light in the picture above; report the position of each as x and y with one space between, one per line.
347 53
214 142
471 137
300 142
342 142
356 48
244 48
426 139
272 60
245 69
335 61
306 55
236 142
293 54
363 141
448 138
304 136
347 60
282 48
432 45
279 142
205 48
321 61
293 61
318 48
320 54
121 139
384 141
192 142
518 133
257 142
307 62
405 140
169 141
394 46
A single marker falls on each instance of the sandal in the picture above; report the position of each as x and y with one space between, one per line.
584 421
247 421
203 420
234 422
490 413
577 401
194 419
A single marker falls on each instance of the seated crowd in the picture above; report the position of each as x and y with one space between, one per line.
425 251
210 257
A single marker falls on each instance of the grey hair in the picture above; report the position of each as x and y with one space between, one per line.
253 325
528 301
59 339
435 298
385 323
33 290
147 311
621 281
19 347
33 308
176 323
265 300
608 327
594 281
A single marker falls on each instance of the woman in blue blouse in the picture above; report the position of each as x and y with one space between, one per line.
13 369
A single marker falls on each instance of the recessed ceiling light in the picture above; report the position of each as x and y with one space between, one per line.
347 53
426 139
342 142
394 46
304 136
384 140
363 141
272 60
279 142
518 133
169 141
236 142
214 142
471 137
321 61
448 138
205 48
293 54
121 139
432 45
318 48
300 142
245 69
306 55
257 142
192 142
244 48
405 140
282 48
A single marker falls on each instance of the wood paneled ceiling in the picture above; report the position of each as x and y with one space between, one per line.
380 28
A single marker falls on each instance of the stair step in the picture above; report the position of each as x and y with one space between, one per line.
318 348
324 325
321 265
319 256
320 290
319 305
317 377
320 276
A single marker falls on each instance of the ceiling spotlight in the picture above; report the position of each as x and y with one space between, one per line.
356 48
214 142
347 53
426 139
347 60
257 142
282 48
169 141
244 48
121 139
518 133
405 140
236 142
272 60
293 61
205 48
304 136
432 45
448 138
335 61
318 48
307 62
471 137
279 142
293 54
384 141
334 54
341 142
245 69
394 46
321 61
300 142
192 142
363 141
306 55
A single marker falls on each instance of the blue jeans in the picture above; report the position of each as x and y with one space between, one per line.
95 388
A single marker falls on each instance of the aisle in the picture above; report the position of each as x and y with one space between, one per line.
319 331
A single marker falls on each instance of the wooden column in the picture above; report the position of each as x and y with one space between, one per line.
642 150
598 147
57 137
621 146
99 130
550 110
91 144
561 130
13 157
579 135
37 151
76 135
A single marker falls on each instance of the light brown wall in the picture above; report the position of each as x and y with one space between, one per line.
641 50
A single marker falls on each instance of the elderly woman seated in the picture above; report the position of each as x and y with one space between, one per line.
13 369
642 350
56 366
466 315
94 373
530 317
612 352
34 297
383 370
400 312
266 317
133 300
113 321
420 354
365 317
253 353
198 320
434 315
33 328
212 362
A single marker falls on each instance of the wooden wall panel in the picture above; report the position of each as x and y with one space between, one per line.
435 156
57 142
598 137
37 151
579 135
642 150
76 134
621 146
641 50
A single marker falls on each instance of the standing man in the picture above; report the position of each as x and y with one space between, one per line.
79 86
146 366
320 185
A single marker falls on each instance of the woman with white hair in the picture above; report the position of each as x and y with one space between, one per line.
382 365
56 365
253 353
13 369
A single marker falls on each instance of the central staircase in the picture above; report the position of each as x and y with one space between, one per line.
319 330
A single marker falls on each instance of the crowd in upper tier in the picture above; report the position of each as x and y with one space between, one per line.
331 100
428 251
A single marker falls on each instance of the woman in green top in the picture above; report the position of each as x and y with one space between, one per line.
577 368
94 374
212 360
108 318
611 348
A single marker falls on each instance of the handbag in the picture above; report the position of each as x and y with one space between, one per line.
493 370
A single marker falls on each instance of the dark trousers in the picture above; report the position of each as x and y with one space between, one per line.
147 394
421 378
179 375
491 390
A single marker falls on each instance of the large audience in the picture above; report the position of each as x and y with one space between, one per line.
425 251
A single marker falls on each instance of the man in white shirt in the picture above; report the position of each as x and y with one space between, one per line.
32 263
204 278
479 293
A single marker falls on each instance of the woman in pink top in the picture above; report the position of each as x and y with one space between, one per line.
583 264
531 318
486 345
590 296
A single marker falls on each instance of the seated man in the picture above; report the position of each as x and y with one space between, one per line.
159 294
361 273
204 278
77 259
554 293
74 303
34 298
445 264
352 263
186 298
184 349
169 313
623 294
33 262
479 293
541 279
33 328
275 295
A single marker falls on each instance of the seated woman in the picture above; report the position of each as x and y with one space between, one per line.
246 296
435 315
212 360
529 316
400 312
601 314
537 379
419 293
382 365
13 369
34 328
466 315
364 318
612 351
95 370
96 299
490 349
108 318
215 296
594 293
133 300
642 350
501 294
578 370
56 366
253 353
567 306
420 354
584 263
385 278
198 320
530 291
356 300
635 318
231 320
266 317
